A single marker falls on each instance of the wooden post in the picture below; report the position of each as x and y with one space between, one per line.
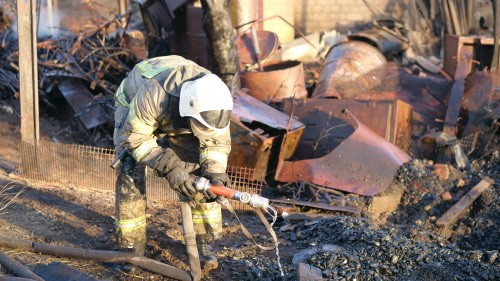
28 72
122 6
122 10
50 14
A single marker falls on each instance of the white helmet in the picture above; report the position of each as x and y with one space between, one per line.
208 100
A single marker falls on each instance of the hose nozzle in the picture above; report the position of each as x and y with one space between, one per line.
202 184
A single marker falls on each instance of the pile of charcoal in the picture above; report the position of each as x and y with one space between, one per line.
365 253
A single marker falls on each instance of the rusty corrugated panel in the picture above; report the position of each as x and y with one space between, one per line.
364 163
277 81
343 64
256 133
390 119
88 111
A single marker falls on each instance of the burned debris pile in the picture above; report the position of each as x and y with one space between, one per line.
84 70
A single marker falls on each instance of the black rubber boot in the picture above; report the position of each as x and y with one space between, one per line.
207 257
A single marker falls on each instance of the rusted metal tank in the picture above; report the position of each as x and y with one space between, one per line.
277 81
343 64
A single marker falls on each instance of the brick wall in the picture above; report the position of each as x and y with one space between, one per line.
343 15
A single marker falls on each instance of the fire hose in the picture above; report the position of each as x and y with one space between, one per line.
254 200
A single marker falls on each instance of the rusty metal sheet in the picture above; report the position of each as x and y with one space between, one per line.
257 131
89 112
390 119
277 81
364 163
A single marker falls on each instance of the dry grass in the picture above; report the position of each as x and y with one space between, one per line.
8 195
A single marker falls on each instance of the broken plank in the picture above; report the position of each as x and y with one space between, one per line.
348 209
306 272
452 215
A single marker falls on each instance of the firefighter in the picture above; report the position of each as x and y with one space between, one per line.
172 115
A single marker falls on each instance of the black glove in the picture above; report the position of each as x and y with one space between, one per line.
168 160
176 171
216 179
181 181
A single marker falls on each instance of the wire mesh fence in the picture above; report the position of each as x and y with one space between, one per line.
89 167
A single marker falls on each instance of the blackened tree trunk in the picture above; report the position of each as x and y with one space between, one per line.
496 34
221 37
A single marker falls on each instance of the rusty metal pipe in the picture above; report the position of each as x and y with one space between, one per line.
17 268
98 255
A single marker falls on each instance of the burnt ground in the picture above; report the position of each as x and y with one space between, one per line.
404 245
